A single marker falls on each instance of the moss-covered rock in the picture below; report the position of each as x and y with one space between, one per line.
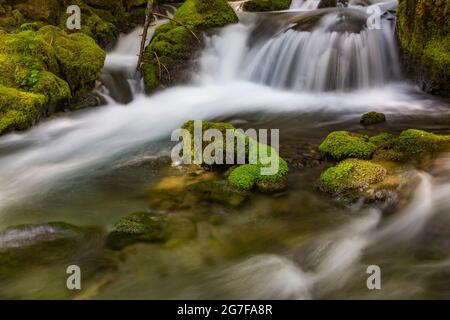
41 71
423 30
267 5
246 176
79 57
101 20
340 145
371 118
172 48
417 143
149 228
351 174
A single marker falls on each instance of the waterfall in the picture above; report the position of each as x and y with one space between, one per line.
305 4
337 54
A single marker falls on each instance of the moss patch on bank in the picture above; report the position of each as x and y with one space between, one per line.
42 70
423 28
101 19
171 50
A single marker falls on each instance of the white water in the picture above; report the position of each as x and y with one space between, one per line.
305 4
325 59
337 254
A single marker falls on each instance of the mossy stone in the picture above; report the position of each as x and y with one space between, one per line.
372 118
340 145
351 174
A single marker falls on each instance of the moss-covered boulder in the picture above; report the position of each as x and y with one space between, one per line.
351 174
41 71
267 5
172 48
101 19
150 228
371 118
424 34
247 176
417 143
340 145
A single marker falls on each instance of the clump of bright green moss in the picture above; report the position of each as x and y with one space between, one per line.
351 174
42 70
267 5
171 49
340 145
371 118
250 175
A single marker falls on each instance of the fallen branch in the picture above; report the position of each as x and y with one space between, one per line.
148 14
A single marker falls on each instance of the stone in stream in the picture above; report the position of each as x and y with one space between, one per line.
25 246
386 174
371 118
150 227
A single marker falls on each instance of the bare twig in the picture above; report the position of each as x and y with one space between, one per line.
148 15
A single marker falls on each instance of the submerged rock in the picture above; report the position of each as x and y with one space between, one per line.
24 246
173 46
150 228
371 118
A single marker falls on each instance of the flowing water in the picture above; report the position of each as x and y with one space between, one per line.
304 71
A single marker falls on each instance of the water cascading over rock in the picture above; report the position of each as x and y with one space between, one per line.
323 50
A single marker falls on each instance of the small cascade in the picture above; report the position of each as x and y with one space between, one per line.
328 50
305 4
119 74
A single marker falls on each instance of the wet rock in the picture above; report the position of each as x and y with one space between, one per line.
150 228
340 145
25 246
372 118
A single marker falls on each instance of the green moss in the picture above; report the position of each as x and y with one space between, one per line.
79 57
371 118
417 143
384 140
423 30
19 110
342 144
351 174
43 69
247 176
267 5
171 49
